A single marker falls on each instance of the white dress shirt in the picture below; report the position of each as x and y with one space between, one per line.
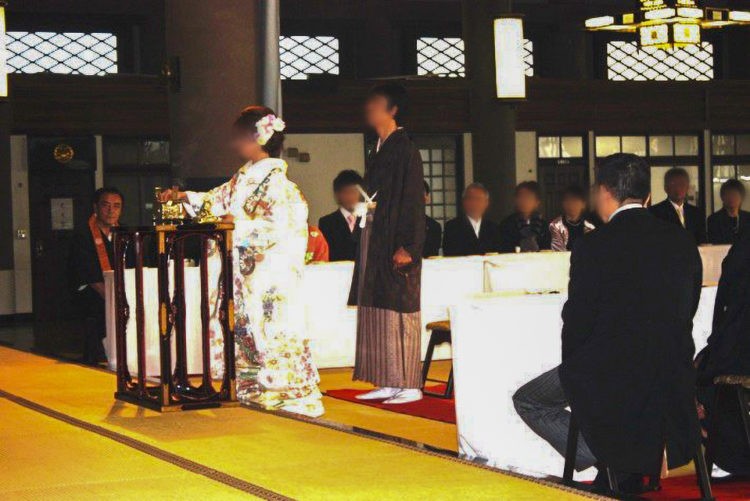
624 208
350 218
680 208
476 224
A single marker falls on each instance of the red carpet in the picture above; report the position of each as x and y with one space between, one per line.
438 409
680 488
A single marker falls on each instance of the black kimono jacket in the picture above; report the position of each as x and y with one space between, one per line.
395 173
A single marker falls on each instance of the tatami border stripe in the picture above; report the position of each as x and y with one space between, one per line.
403 443
168 457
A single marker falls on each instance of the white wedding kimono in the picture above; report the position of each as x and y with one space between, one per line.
273 358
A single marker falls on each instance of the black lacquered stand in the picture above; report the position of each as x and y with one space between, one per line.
175 389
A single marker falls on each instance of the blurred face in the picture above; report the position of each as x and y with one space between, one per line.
677 188
108 209
573 207
244 145
347 197
526 202
426 198
604 203
732 199
475 203
377 112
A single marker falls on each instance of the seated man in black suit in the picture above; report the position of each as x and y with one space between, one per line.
434 230
728 225
471 233
627 346
341 227
91 254
676 208
728 353
525 230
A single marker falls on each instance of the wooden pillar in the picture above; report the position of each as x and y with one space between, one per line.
216 42
493 123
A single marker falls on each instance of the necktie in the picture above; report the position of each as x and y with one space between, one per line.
351 221
681 215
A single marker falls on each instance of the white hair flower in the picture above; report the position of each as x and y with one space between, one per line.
266 126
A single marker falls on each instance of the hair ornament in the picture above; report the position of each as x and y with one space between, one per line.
266 126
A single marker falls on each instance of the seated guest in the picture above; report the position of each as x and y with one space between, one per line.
434 230
525 229
317 247
728 353
470 233
729 224
572 224
676 208
341 227
627 345
91 254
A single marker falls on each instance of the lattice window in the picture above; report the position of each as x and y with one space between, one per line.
625 61
70 53
440 56
528 56
445 57
302 56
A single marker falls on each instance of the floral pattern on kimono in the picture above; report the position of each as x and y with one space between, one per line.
273 354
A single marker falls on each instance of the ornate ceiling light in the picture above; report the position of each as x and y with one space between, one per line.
669 23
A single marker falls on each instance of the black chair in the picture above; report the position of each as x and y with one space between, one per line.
701 470
440 333
741 387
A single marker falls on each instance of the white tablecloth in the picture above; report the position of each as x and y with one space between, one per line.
331 325
500 343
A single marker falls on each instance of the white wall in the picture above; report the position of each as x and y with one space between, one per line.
329 154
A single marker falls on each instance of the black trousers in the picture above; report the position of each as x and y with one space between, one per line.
542 405
93 323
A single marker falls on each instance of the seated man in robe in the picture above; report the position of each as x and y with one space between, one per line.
728 353
91 254
676 209
627 345
341 227
730 223
471 233
525 230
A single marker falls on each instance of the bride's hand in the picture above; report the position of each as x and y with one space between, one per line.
171 195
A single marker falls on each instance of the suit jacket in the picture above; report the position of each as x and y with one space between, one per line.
694 223
433 238
627 341
460 240
721 230
342 243
395 173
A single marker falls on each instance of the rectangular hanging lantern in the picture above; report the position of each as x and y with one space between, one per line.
3 54
510 71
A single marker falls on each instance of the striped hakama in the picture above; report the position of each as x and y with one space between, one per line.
388 342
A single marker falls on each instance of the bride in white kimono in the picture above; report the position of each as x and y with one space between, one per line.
273 358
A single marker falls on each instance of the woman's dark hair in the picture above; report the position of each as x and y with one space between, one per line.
574 191
732 184
246 123
395 95
625 176
107 190
531 186
346 178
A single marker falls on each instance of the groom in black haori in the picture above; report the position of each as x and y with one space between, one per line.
388 268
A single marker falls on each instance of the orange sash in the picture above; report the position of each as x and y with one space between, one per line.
101 251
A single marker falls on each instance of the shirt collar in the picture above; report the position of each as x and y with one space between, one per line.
345 213
624 208
676 205
259 170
